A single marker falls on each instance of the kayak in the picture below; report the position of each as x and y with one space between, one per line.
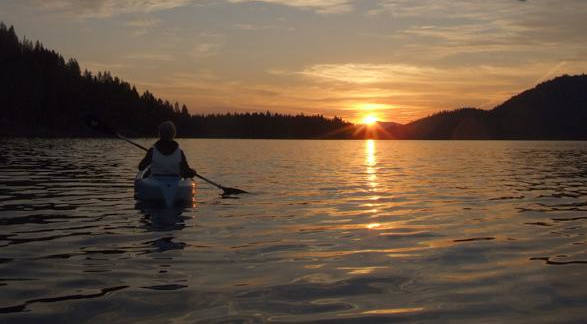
170 190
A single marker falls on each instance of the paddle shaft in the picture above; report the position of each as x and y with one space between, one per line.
210 182
131 141
145 149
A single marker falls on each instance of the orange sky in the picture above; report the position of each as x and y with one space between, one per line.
395 59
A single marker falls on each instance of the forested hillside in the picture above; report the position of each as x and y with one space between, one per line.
43 94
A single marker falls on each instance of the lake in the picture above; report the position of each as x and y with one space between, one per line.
333 231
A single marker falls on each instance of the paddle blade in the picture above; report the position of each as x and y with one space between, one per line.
232 191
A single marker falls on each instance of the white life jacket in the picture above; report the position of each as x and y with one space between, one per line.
162 164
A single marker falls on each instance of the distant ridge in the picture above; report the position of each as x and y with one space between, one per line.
553 110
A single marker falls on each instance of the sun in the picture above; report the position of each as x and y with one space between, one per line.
369 120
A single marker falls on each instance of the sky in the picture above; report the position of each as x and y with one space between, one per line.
397 60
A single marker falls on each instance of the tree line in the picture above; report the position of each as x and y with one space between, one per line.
45 95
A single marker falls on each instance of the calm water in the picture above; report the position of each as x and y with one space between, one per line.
334 231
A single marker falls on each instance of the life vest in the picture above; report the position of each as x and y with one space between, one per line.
165 165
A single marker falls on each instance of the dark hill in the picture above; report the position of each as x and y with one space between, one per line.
555 109
464 123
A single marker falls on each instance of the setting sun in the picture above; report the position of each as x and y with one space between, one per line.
369 120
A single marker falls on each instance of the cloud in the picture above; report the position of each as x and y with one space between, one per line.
144 22
406 76
107 8
473 31
319 6
363 73
205 50
447 8
251 27
150 57
142 26
207 44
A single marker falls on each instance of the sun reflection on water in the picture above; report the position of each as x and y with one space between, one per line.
395 310
370 152
370 161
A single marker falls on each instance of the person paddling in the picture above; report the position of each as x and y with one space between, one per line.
165 157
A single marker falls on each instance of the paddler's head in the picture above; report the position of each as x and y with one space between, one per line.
167 131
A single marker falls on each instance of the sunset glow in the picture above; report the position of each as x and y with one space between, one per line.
373 106
369 120
415 57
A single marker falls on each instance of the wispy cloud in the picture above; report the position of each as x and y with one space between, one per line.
403 76
205 50
364 73
319 6
142 26
144 22
207 44
255 27
150 57
448 8
107 8
475 30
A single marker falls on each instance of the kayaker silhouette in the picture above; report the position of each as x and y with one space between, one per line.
165 157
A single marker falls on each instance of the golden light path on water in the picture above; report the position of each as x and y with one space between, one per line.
371 162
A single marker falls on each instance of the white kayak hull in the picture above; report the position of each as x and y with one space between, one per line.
167 189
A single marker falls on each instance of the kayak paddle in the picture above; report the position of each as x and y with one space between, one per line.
98 125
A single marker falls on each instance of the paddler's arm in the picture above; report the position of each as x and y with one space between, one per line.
186 171
146 160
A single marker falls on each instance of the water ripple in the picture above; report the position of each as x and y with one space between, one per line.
335 231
